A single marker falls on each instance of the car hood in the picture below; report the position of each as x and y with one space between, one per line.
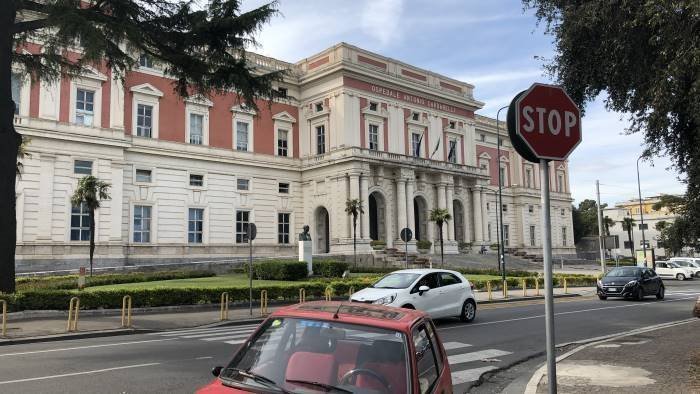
617 280
372 294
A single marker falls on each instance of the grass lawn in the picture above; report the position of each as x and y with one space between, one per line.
233 280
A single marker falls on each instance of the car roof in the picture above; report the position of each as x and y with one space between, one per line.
423 271
370 315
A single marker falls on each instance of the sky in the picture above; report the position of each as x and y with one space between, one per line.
494 45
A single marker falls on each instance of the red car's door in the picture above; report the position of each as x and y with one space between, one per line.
431 373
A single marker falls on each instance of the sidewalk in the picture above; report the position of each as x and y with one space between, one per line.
666 360
35 324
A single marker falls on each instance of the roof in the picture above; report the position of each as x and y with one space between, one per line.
423 271
371 315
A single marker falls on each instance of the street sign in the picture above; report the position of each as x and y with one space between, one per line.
252 231
406 234
544 123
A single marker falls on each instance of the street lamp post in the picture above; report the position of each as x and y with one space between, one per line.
641 215
501 248
498 242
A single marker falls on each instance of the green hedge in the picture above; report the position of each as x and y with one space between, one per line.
423 244
70 282
329 268
280 270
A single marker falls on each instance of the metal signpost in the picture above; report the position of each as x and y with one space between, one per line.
406 235
251 233
544 124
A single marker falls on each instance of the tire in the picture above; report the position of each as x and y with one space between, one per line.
408 306
660 294
468 311
680 277
638 294
602 297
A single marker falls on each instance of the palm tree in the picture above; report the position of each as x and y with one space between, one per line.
607 223
90 192
627 225
353 206
440 216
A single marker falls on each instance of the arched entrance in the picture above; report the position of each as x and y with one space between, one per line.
458 220
420 209
322 231
377 215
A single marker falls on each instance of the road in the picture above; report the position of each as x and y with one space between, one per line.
179 361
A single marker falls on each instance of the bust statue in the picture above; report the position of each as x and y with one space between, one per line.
305 236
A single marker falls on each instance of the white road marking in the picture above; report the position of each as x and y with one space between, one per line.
85 347
213 329
454 345
209 334
235 342
228 337
79 373
607 345
475 356
204 358
469 375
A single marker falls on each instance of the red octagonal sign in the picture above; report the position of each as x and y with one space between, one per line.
546 121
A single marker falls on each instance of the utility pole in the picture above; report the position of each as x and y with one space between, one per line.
641 215
501 247
600 228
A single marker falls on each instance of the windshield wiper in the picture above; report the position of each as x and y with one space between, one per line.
328 387
258 378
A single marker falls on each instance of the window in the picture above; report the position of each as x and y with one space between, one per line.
415 116
319 107
243 184
482 137
452 152
500 141
143 176
195 226
415 144
242 136
80 223
506 236
84 106
142 224
426 360
447 279
430 280
563 236
489 231
145 61
627 244
282 92
82 167
563 212
504 207
644 226
16 82
453 124
373 106
560 183
196 180
502 175
528 177
282 142
532 235
242 220
488 206
373 137
196 129
530 209
144 120
284 188
283 228
644 244
320 139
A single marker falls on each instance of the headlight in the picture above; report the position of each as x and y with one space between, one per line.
631 283
385 300
600 284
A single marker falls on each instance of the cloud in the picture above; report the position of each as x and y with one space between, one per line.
501 76
380 19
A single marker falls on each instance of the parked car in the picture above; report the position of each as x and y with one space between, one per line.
635 282
669 269
440 293
326 346
688 262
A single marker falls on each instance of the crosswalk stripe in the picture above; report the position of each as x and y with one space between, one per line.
235 342
469 375
208 334
227 337
454 345
474 356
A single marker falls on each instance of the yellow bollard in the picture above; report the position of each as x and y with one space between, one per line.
488 289
524 287
4 317
505 289
126 311
302 295
328 293
263 303
223 313
537 286
565 288
73 309
350 291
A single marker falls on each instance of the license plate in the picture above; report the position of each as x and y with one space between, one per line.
612 288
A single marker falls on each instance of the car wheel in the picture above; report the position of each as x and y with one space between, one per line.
408 306
639 294
468 311
680 277
602 297
660 294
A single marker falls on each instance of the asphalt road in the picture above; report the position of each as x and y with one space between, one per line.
179 361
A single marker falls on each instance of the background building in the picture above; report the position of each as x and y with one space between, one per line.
188 174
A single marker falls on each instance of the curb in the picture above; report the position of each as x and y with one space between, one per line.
534 381
529 298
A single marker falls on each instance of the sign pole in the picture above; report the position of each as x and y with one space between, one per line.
549 293
250 277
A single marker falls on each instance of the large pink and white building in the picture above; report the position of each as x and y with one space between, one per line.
187 174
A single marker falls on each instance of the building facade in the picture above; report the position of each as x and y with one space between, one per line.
187 175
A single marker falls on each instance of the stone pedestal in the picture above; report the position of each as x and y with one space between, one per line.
306 254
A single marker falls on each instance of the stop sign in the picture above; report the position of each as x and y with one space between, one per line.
544 123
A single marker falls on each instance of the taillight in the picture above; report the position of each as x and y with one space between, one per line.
471 285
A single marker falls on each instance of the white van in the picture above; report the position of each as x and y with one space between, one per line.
669 269
688 262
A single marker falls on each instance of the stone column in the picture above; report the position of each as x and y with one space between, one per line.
450 209
411 219
364 196
400 205
441 203
354 194
46 192
478 221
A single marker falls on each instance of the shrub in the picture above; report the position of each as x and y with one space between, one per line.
378 244
465 245
280 270
329 268
69 282
494 246
423 244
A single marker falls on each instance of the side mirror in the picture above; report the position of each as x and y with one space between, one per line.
423 289
216 371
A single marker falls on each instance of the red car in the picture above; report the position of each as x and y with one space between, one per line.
338 347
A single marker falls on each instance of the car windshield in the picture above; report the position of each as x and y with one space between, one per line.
625 272
396 281
304 355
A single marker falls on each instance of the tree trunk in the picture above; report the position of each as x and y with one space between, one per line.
9 146
442 249
354 238
629 238
92 237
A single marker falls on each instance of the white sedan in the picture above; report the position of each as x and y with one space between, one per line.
440 293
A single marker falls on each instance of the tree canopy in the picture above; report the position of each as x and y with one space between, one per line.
585 218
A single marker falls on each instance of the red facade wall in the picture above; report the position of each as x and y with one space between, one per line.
171 115
493 163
